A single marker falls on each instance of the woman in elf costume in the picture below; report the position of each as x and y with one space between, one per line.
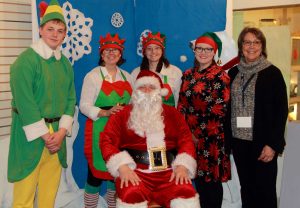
43 104
154 60
105 90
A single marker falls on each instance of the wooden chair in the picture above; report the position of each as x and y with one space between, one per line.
153 204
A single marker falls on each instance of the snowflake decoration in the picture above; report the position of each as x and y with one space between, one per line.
219 100
79 34
200 173
139 49
217 85
208 98
205 153
117 20
188 93
191 109
202 125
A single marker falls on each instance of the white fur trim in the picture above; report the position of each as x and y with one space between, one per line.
35 130
66 122
121 204
115 161
156 139
147 80
41 48
192 202
164 91
187 161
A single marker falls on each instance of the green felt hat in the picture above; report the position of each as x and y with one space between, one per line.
53 11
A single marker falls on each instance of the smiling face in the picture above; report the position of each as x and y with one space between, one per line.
53 33
252 47
153 53
111 56
204 54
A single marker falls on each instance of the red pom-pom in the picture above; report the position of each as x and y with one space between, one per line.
43 6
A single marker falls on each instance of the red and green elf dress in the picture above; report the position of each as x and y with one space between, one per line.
109 95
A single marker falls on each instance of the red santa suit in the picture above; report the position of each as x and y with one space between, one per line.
117 138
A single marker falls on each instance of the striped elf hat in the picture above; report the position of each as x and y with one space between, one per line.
52 11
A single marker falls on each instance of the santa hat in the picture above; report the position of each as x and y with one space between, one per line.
53 11
147 77
111 41
213 40
154 38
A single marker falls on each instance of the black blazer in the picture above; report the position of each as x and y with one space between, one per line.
270 110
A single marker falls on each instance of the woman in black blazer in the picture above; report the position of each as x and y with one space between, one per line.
256 120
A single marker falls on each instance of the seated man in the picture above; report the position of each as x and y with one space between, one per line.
148 148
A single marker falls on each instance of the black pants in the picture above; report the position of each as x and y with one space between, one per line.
257 178
92 180
211 193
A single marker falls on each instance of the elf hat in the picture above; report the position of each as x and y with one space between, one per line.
111 41
147 77
154 38
51 12
213 40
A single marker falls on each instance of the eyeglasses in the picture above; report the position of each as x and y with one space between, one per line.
110 50
205 50
249 43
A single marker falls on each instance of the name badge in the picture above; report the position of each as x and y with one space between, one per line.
244 122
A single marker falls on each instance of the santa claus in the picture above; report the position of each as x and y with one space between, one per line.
148 148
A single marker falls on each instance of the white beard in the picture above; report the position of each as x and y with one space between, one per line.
146 115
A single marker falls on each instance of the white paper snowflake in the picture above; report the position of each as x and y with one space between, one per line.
79 34
139 49
117 20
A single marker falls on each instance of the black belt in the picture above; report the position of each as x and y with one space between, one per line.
109 107
47 120
105 107
142 157
51 120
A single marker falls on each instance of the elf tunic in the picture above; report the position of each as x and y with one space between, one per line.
171 77
203 100
110 94
39 84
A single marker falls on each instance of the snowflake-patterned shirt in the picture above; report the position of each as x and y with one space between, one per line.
203 99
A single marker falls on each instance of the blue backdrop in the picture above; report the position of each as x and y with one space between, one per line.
181 21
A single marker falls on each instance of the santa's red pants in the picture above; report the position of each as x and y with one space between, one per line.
154 186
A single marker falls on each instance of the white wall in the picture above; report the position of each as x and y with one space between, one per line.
248 4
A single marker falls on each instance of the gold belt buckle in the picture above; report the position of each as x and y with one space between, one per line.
157 158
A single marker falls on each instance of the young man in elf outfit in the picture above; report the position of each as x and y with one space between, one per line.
105 90
43 104
148 148
154 45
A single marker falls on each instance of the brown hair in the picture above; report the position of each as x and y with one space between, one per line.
163 60
258 34
55 21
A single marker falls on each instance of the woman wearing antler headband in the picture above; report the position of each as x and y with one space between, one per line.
105 89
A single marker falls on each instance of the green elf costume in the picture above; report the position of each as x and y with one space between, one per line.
100 93
169 74
42 85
